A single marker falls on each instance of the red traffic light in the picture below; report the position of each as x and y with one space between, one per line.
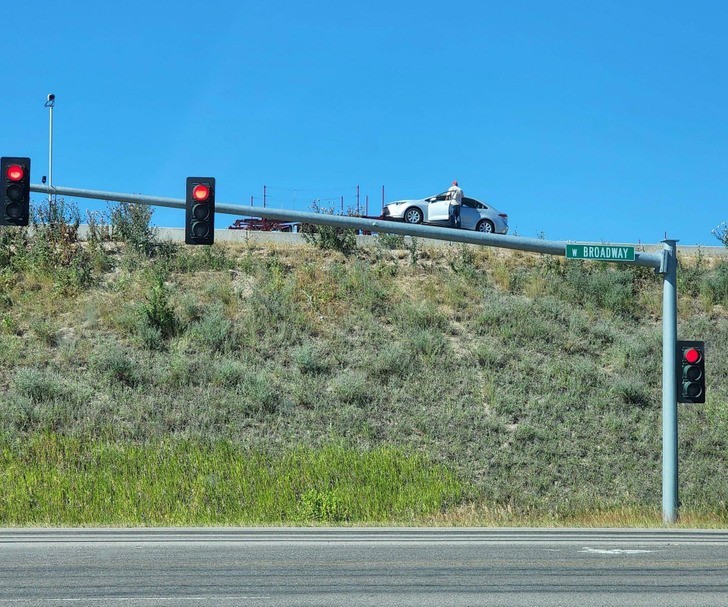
692 355
15 172
200 192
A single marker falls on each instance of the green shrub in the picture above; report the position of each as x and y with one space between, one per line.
463 262
392 360
261 393
352 388
229 373
213 331
714 285
51 249
311 360
57 221
631 391
325 237
412 246
40 386
157 311
390 241
114 363
430 345
598 285
199 259
47 388
131 223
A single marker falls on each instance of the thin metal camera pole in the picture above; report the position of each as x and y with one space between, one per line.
670 502
49 104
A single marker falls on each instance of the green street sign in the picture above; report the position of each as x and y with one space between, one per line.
599 252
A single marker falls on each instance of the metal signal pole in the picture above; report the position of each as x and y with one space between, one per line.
670 502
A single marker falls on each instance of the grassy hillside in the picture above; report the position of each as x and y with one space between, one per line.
163 384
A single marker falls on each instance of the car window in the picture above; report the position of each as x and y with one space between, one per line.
469 202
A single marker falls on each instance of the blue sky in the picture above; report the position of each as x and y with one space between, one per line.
582 120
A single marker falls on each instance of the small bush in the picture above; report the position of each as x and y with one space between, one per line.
429 345
213 331
598 286
57 221
391 361
151 337
464 262
38 385
52 248
229 373
420 315
260 393
332 238
157 311
412 245
131 223
390 241
714 285
44 387
115 364
199 259
311 360
352 388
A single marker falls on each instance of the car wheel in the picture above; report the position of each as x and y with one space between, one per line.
413 215
486 226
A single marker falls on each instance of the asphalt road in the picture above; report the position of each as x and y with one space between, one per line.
356 567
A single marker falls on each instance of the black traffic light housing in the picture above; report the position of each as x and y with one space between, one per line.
15 180
200 210
690 371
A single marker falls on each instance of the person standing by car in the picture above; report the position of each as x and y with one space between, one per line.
455 195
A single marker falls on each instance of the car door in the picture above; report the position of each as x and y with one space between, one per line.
469 214
438 208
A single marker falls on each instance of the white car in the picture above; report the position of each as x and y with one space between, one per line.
474 215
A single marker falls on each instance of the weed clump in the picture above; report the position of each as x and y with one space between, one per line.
331 238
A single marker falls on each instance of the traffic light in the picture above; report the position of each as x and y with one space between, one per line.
690 371
200 210
15 179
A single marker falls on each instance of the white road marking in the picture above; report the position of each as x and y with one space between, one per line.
613 551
